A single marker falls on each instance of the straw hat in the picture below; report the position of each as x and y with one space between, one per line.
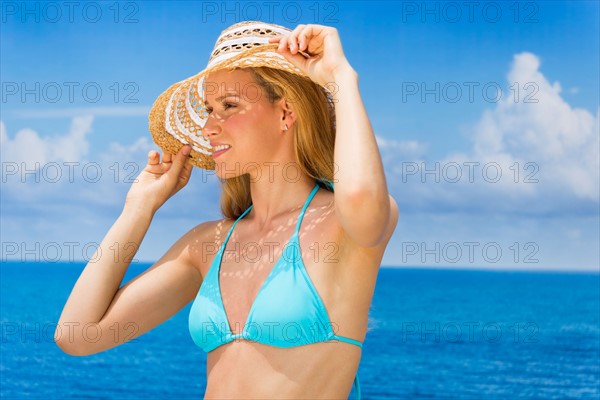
179 113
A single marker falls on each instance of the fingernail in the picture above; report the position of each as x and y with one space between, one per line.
186 150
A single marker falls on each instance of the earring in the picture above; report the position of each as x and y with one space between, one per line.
286 127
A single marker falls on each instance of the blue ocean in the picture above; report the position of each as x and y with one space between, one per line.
433 334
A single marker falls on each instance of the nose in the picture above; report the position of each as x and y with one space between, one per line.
211 127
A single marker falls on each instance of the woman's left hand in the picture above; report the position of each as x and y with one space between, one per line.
322 43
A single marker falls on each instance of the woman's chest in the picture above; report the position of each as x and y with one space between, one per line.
281 277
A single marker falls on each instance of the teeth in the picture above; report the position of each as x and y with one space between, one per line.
221 147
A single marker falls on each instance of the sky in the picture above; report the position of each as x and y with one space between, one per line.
486 115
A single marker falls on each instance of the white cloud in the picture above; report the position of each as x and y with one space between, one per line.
546 150
118 151
30 148
408 149
57 168
542 128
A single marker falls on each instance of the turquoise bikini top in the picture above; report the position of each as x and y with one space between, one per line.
287 311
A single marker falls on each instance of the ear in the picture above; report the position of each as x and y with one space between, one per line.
288 115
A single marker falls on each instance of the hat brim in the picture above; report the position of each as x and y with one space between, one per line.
179 113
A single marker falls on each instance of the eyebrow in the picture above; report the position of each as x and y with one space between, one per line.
232 94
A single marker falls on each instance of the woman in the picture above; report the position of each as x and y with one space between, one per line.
282 286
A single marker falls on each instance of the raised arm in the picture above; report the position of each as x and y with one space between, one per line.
366 211
98 314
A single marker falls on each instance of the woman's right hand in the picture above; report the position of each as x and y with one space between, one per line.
159 181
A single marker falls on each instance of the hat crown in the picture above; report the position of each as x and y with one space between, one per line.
243 36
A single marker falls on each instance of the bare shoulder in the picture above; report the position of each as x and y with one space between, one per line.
204 240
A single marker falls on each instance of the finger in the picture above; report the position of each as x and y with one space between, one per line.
283 43
304 36
153 157
179 161
302 41
293 38
167 157
275 39
184 175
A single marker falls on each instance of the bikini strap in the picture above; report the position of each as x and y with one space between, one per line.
347 340
233 226
310 197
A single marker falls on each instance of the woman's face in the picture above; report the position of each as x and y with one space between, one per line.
241 116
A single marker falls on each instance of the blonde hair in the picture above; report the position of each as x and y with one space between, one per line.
314 139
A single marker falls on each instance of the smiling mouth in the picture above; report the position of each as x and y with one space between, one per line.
218 153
